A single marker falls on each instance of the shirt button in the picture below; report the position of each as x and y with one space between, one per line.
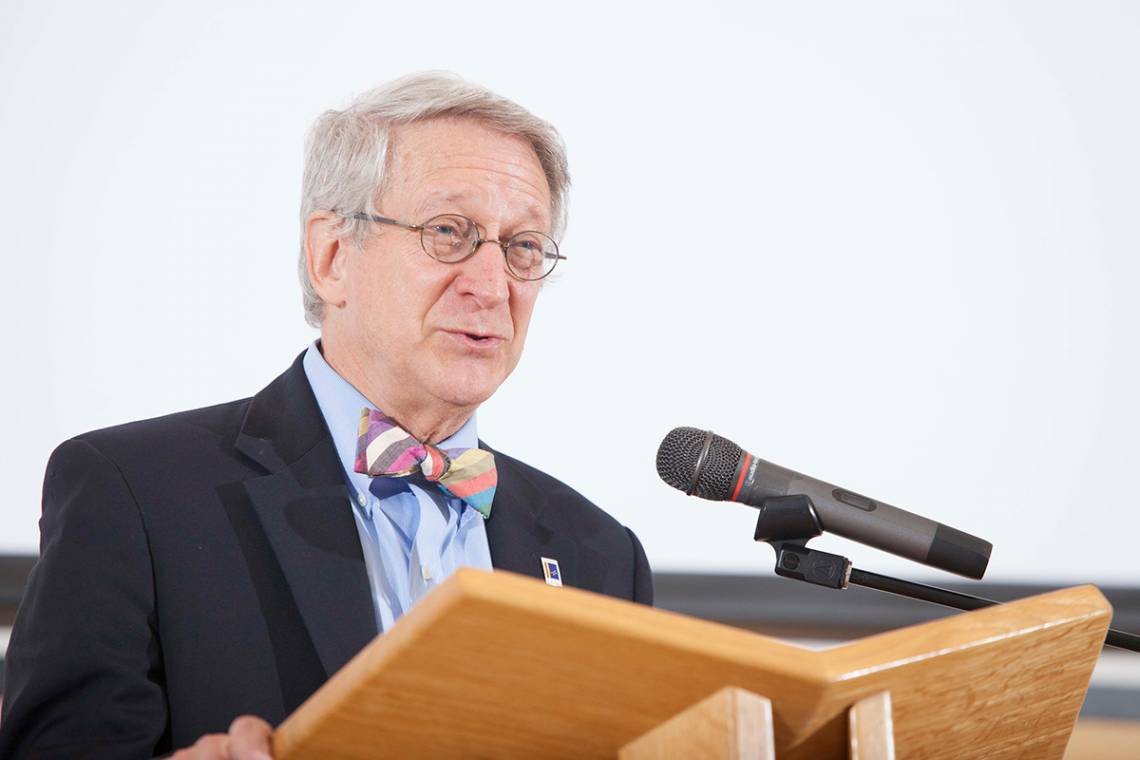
362 500
425 573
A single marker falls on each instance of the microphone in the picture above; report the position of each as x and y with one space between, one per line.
702 463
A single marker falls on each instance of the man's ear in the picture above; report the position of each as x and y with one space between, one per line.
325 258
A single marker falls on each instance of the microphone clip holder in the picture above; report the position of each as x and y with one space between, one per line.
788 523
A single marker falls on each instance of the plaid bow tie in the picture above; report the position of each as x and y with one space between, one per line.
384 449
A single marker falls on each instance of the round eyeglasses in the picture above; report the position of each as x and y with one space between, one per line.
452 238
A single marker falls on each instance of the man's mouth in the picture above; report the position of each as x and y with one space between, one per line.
477 338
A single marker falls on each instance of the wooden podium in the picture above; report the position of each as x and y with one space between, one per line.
498 665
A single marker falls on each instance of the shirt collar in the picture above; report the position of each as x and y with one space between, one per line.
340 404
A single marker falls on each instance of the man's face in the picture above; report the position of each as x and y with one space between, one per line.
423 331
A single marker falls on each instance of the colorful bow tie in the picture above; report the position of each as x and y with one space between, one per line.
384 449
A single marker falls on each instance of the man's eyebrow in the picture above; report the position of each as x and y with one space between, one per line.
438 200
536 211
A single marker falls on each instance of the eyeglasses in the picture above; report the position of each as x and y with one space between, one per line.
452 238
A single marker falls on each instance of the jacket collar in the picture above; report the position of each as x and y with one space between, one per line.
283 421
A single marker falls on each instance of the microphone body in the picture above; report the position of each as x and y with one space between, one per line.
865 520
705 464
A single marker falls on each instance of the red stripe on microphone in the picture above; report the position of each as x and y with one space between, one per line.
740 480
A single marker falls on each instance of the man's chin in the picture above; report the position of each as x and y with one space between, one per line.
467 386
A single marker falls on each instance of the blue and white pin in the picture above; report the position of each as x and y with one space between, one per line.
551 571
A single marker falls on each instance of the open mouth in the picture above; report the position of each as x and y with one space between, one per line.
477 339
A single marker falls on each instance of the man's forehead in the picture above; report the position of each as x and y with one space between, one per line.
462 161
445 198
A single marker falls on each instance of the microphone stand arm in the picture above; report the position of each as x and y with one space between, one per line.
789 522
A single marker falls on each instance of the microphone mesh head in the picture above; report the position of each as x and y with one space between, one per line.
677 463
677 456
715 481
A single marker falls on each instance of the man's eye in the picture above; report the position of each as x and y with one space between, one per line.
524 258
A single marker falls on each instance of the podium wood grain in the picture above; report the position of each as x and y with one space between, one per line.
870 732
732 724
1099 739
498 665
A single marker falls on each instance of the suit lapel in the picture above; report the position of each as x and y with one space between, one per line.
302 505
518 541
520 534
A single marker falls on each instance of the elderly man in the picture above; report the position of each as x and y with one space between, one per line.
226 561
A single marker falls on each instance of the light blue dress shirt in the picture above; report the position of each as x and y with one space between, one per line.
413 535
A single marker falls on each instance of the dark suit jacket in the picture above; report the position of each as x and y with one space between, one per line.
206 564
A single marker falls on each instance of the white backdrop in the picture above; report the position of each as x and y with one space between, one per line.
892 245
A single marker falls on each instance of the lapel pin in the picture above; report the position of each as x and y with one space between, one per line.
551 571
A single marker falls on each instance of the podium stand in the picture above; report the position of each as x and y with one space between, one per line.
498 665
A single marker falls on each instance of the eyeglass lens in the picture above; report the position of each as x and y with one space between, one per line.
450 238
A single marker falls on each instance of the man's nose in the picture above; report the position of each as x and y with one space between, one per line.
485 275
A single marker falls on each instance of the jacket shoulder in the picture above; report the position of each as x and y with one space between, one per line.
219 422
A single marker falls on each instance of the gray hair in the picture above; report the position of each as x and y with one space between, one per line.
347 158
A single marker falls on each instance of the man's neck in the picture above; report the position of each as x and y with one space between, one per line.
428 420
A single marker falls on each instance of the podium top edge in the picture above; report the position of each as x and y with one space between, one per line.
1027 620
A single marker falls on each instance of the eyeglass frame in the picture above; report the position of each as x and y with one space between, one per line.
479 241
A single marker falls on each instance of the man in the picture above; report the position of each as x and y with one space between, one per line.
226 561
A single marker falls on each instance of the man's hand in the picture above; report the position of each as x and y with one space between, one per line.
248 739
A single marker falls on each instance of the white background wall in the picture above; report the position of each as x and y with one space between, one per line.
893 245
